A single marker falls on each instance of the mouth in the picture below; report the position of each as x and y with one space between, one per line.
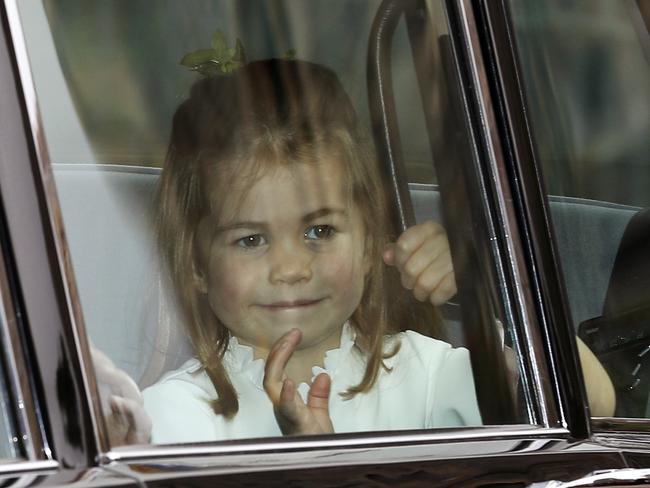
292 304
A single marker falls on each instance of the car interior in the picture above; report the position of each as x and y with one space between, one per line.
108 210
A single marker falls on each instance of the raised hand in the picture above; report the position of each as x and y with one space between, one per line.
421 254
122 404
293 415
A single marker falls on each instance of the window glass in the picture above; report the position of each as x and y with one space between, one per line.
587 82
216 199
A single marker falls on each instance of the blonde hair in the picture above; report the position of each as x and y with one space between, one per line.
267 111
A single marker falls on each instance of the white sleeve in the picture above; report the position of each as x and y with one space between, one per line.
453 397
180 412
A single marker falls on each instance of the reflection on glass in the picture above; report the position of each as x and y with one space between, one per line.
589 105
277 263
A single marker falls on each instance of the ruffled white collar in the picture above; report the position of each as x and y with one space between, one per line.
239 360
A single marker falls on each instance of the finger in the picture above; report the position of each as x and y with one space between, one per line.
425 281
288 410
408 242
319 393
413 238
436 286
134 417
389 254
288 405
138 422
276 362
123 385
433 254
116 380
445 291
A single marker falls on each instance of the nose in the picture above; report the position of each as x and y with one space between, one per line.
290 263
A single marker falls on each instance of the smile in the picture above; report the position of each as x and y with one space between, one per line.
292 305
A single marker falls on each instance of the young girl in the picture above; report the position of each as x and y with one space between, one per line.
272 225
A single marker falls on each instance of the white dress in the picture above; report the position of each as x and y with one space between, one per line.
430 385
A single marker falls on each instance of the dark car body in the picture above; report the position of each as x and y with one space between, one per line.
52 393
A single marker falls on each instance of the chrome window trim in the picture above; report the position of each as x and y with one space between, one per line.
549 411
54 216
28 467
533 213
603 425
624 440
318 447
414 464
603 478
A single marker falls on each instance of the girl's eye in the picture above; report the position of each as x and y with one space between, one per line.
252 241
319 232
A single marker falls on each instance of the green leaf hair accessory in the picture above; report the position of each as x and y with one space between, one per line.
289 55
219 59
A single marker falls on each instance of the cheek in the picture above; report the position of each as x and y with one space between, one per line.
230 285
345 273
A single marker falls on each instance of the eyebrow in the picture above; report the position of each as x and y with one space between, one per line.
251 224
322 212
246 224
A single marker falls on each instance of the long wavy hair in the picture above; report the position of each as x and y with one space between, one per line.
267 112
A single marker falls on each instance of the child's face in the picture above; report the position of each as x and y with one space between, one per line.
291 253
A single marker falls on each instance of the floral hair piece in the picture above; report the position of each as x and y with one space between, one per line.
221 59
218 59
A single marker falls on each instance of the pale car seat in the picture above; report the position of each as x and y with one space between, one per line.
588 233
107 213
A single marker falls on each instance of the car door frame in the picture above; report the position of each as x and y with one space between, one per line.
528 183
53 323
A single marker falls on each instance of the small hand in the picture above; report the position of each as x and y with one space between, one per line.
122 403
421 254
292 414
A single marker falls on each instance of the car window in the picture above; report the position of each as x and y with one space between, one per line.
589 108
223 180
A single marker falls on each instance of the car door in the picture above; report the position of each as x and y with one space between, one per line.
588 114
92 87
